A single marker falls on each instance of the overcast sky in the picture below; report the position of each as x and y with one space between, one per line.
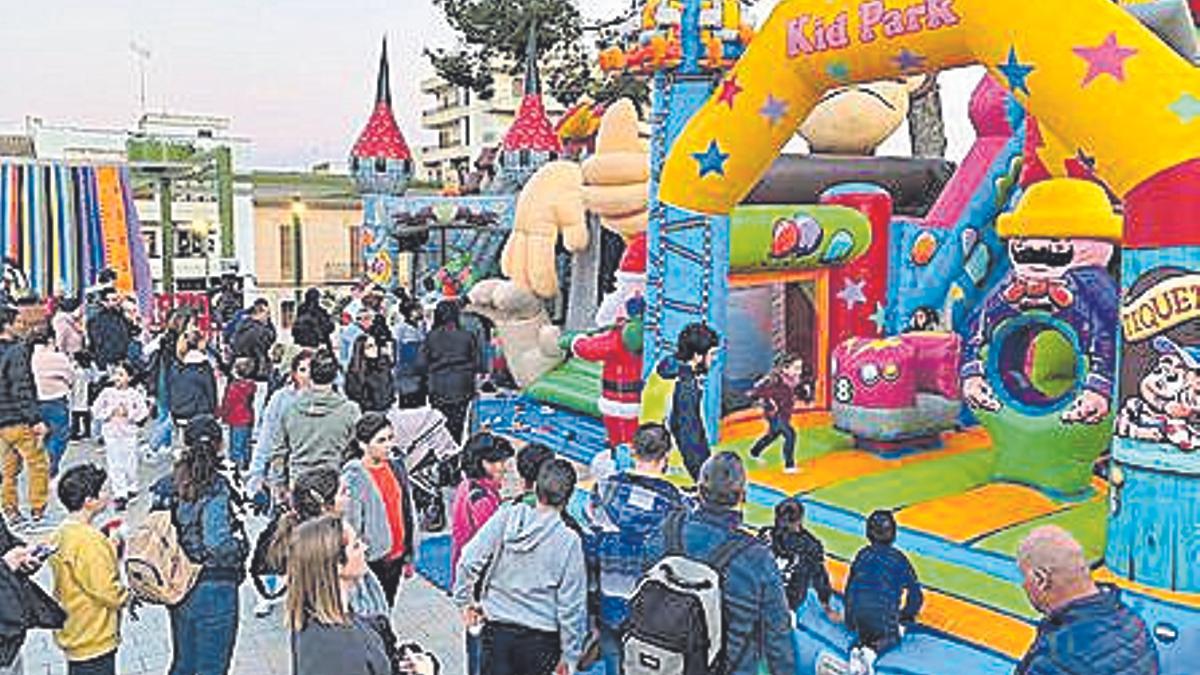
296 76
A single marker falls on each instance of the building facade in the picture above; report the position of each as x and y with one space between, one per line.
465 125
328 254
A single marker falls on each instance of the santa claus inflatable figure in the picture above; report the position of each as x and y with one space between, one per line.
618 345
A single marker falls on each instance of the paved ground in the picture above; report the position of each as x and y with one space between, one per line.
423 614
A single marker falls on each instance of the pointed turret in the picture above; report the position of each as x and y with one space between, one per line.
531 140
381 160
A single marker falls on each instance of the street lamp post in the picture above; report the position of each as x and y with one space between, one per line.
205 229
298 209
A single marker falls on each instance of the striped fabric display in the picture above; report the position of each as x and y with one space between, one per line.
61 224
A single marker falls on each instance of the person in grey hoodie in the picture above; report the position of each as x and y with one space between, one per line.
316 431
532 599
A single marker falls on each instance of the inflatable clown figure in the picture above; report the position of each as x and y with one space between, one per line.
618 345
1060 241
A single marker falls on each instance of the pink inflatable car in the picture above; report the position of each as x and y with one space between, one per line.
897 392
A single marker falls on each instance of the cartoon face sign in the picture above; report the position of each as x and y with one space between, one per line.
1043 258
1172 387
1167 407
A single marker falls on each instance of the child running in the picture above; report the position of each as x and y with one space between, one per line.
120 408
778 392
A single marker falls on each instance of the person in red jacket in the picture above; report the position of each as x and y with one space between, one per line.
778 392
619 348
237 411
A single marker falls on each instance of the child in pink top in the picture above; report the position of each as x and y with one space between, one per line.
485 458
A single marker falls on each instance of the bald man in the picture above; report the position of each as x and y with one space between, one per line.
1086 629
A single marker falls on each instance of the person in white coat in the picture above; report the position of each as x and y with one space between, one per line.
120 409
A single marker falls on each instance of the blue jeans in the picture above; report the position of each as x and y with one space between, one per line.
474 654
57 416
239 446
779 426
611 650
204 629
101 665
160 434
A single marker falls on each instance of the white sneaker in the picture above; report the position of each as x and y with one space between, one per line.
862 661
790 470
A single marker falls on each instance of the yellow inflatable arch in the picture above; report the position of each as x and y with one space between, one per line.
1088 70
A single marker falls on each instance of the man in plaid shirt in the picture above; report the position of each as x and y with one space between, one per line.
623 511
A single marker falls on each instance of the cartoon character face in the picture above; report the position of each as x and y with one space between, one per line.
1041 258
1172 388
855 119
1044 258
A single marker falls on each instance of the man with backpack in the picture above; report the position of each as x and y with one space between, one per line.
624 510
711 599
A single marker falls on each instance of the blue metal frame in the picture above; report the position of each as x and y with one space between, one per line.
687 267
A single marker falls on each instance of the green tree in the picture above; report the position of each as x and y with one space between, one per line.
491 29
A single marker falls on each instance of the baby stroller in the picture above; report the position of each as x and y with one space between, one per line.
431 456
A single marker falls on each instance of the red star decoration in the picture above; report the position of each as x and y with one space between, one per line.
729 91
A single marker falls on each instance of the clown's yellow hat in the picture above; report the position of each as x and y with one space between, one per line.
1064 208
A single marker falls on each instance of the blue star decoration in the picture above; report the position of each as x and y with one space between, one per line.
879 317
774 109
711 160
1016 72
909 61
1187 108
839 71
853 293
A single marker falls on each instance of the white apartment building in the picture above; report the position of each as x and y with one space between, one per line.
465 125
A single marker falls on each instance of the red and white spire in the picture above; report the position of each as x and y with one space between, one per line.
532 130
381 139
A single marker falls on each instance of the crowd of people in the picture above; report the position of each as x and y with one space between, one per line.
310 438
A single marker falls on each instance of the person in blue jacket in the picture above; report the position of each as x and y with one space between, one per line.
758 624
880 577
695 350
1086 628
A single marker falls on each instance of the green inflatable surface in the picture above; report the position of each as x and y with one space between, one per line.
575 385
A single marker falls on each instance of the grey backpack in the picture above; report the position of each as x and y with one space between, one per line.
676 622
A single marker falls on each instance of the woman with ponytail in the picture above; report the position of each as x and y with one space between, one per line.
207 508
380 505
317 493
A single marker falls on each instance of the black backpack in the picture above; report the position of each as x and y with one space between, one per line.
676 618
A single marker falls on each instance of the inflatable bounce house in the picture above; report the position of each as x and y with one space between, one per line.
457 239
988 348
62 223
